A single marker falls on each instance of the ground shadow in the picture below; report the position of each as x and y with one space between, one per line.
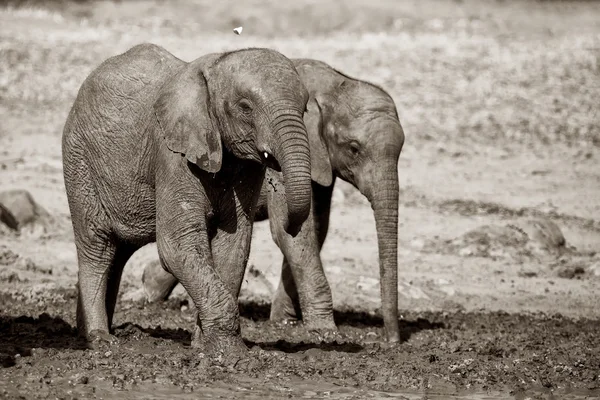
259 311
289 347
22 334
129 330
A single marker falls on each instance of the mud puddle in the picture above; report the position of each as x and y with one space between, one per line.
444 355
297 390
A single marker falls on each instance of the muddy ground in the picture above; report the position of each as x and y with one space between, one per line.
499 104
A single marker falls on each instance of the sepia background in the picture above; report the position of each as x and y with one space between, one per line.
499 202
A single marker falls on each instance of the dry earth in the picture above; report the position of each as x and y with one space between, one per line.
499 101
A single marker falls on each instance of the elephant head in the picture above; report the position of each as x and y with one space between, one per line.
251 102
355 134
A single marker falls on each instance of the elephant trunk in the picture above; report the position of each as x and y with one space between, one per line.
292 152
384 202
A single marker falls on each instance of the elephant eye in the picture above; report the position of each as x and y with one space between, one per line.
354 148
244 106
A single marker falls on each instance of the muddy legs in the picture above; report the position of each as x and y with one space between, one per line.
101 263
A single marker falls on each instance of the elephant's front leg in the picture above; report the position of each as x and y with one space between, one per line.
231 252
183 244
303 282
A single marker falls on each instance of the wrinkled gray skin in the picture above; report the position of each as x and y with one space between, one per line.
354 134
158 149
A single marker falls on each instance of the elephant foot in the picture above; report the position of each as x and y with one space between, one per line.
320 324
285 321
326 333
283 315
98 339
381 341
226 349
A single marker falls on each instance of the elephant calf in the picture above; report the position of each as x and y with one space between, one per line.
354 134
158 149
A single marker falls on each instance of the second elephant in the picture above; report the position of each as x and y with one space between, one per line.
354 134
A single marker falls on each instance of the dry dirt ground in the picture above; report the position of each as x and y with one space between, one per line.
499 101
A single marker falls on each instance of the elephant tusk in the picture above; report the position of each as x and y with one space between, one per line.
266 155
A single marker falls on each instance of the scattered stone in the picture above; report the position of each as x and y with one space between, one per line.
22 206
367 283
532 239
448 290
527 274
19 212
7 256
411 292
544 235
134 296
594 269
417 243
238 30
571 271
7 218
334 269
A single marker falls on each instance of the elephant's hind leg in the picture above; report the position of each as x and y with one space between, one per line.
95 254
122 254
101 261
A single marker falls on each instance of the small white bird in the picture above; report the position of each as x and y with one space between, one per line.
238 30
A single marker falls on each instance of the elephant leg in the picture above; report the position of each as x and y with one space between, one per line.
286 303
98 279
230 254
158 283
183 245
303 284
122 254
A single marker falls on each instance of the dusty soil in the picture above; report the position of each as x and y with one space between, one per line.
499 105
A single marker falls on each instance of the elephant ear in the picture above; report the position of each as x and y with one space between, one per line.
319 156
182 111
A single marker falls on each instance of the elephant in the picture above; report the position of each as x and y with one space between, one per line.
355 134
157 149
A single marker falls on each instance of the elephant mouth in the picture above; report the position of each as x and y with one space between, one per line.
270 161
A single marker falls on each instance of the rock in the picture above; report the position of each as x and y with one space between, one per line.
367 283
417 243
487 241
532 239
7 218
411 292
7 256
18 210
465 252
334 269
135 296
570 271
594 269
238 30
448 290
543 232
